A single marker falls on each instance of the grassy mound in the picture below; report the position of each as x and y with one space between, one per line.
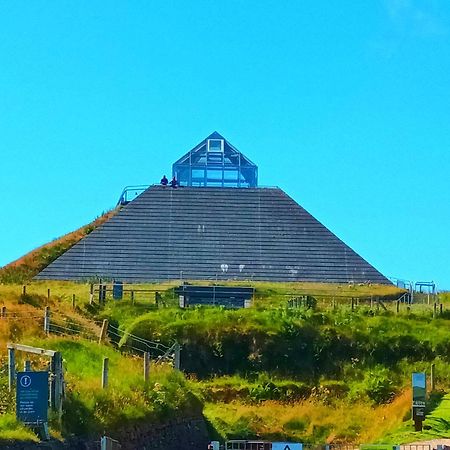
321 372
29 265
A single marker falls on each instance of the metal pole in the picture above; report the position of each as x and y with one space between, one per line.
105 372
27 366
11 368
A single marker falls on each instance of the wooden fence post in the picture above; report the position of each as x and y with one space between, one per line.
176 361
146 366
48 295
397 306
24 290
103 331
73 301
3 313
432 378
105 373
11 368
440 309
47 320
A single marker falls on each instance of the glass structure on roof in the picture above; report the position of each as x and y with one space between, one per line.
215 163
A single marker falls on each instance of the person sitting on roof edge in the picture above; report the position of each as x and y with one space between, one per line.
174 182
164 180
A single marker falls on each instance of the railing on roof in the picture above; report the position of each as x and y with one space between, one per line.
129 193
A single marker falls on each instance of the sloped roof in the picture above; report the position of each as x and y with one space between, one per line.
213 233
197 155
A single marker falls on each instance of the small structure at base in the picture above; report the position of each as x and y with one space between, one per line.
228 296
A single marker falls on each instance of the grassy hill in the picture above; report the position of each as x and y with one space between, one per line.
270 371
29 265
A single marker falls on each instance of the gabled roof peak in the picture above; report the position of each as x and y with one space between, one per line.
215 162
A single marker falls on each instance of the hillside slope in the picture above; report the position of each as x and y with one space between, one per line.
29 265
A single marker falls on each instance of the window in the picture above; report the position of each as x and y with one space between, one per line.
215 145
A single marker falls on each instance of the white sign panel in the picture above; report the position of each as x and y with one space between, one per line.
286 446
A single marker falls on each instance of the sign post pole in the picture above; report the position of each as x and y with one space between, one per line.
11 368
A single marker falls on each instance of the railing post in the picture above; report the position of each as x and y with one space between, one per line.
47 320
11 368
103 331
146 366
27 366
105 373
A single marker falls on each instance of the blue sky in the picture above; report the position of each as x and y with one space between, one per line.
345 105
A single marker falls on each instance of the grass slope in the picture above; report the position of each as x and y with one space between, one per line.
327 373
29 265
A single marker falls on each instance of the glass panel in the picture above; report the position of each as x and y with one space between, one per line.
215 174
230 175
198 173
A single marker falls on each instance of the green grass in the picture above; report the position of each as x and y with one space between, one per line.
436 425
264 371
90 409
11 429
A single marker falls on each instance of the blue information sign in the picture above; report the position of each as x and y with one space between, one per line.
32 397
286 446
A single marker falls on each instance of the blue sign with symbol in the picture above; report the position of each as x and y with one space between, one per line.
32 397
286 446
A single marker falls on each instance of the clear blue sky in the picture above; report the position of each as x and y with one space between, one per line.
345 105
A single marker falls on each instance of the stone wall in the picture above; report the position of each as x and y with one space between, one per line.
180 434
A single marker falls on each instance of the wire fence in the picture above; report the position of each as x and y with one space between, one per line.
55 323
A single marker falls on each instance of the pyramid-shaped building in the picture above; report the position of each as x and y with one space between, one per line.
216 225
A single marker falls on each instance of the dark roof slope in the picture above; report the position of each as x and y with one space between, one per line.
213 233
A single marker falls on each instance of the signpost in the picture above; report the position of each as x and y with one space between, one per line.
286 446
32 397
419 385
